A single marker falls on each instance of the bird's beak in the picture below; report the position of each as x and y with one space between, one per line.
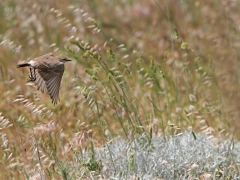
64 59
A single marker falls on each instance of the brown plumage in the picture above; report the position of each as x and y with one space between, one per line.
46 72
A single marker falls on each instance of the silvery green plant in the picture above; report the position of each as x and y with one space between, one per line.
178 157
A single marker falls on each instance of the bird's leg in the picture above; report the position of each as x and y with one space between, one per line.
32 77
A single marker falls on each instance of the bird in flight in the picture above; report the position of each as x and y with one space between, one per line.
46 72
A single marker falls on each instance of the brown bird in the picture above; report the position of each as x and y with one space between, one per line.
46 72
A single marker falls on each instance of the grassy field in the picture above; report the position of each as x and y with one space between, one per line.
140 70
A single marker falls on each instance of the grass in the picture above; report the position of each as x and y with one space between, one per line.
144 75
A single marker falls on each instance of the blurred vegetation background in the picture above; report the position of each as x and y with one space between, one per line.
158 67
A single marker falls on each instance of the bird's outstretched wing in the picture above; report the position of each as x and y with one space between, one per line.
50 81
40 83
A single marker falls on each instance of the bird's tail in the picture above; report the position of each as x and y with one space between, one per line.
23 65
